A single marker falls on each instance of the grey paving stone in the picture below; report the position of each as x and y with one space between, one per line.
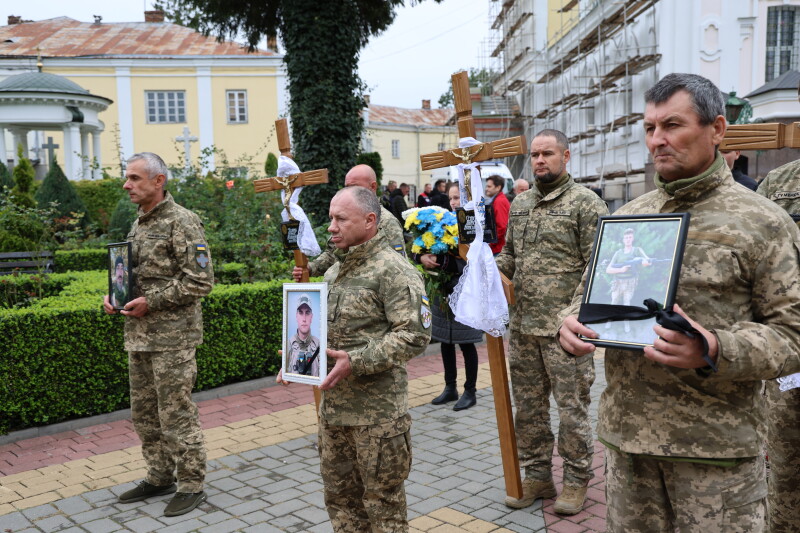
227 526
54 523
226 484
262 528
313 515
95 513
284 496
14 521
184 526
35 513
73 505
258 517
430 504
101 496
420 491
286 507
247 493
102 525
144 525
246 507
249 474
75 529
222 500
215 517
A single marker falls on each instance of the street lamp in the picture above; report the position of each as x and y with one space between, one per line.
733 108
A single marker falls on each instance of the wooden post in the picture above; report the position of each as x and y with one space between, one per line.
497 359
289 184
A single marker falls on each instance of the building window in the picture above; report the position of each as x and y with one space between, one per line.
237 107
367 144
396 148
165 107
783 34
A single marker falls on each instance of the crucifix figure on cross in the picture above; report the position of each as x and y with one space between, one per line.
469 153
290 183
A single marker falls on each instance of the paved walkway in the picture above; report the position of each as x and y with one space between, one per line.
263 471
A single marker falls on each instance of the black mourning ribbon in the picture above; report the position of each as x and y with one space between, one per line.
594 313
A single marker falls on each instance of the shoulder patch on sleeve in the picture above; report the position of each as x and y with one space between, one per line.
400 250
425 315
201 255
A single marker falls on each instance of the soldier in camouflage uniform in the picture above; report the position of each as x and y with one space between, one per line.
119 292
303 353
163 326
361 176
550 234
378 319
683 441
782 186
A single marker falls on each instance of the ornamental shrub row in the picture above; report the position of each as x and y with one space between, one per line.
62 357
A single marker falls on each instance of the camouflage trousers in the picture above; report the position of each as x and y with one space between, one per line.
622 290
538 367
363 470
646 494
166 419
783 448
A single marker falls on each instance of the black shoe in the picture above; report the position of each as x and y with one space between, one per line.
183 502
466 401
450 394
145 490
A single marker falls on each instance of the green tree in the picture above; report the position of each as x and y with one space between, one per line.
122 219
372 159
478 77
5 178
22 193
325 89
271 165
57 188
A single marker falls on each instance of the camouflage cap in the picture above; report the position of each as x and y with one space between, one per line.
304 299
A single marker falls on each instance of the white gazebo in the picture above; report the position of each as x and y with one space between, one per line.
38 101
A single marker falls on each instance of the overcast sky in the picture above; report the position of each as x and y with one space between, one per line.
411 61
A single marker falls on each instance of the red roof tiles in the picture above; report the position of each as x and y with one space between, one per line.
416 117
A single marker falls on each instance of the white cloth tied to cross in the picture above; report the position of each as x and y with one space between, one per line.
478 300
792 381
306 240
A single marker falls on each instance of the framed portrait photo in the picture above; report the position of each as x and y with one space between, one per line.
120 277
305 332
635 258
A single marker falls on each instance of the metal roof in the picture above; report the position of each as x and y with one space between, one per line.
40 82
410 117
66 37
788 80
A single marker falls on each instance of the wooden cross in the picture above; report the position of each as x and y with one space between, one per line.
497 359
289 184
187 141
769 136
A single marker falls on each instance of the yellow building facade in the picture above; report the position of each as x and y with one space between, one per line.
161 78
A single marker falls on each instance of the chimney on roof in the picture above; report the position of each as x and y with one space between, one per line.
14 19
154 16
426 104
366 100
97 19
272 43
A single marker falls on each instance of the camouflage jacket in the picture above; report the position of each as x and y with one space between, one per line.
300 352
172 269
548 244
740 279
378 313
390 227
782 186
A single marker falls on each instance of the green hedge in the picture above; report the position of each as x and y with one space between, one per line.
81 260
100 198
62 357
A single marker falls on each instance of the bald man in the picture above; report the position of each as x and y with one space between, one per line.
358 176
520 186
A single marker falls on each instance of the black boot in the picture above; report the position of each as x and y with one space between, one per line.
466 401
449 394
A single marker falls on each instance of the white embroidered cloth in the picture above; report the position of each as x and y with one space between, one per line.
792 381
306 240
478 300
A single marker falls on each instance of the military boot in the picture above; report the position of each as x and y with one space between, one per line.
183 502
570 501
145 490
532 490
450 394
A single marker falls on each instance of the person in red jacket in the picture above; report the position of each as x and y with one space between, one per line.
496 197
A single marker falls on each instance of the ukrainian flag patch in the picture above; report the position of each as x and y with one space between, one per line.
201 255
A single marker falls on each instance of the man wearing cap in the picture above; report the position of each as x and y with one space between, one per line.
119 293
361 176
303 346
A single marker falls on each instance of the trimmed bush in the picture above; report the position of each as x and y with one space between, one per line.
62 357
5 178
57 188
122 219
81 260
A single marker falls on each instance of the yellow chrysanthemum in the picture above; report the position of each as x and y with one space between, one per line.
439 215
429 239
449 240
453 230
415 249
412 219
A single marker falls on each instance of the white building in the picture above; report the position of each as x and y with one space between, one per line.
582 66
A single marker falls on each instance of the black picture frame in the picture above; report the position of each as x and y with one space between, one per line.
649 269
119 252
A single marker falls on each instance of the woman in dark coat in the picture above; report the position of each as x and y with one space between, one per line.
448 331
